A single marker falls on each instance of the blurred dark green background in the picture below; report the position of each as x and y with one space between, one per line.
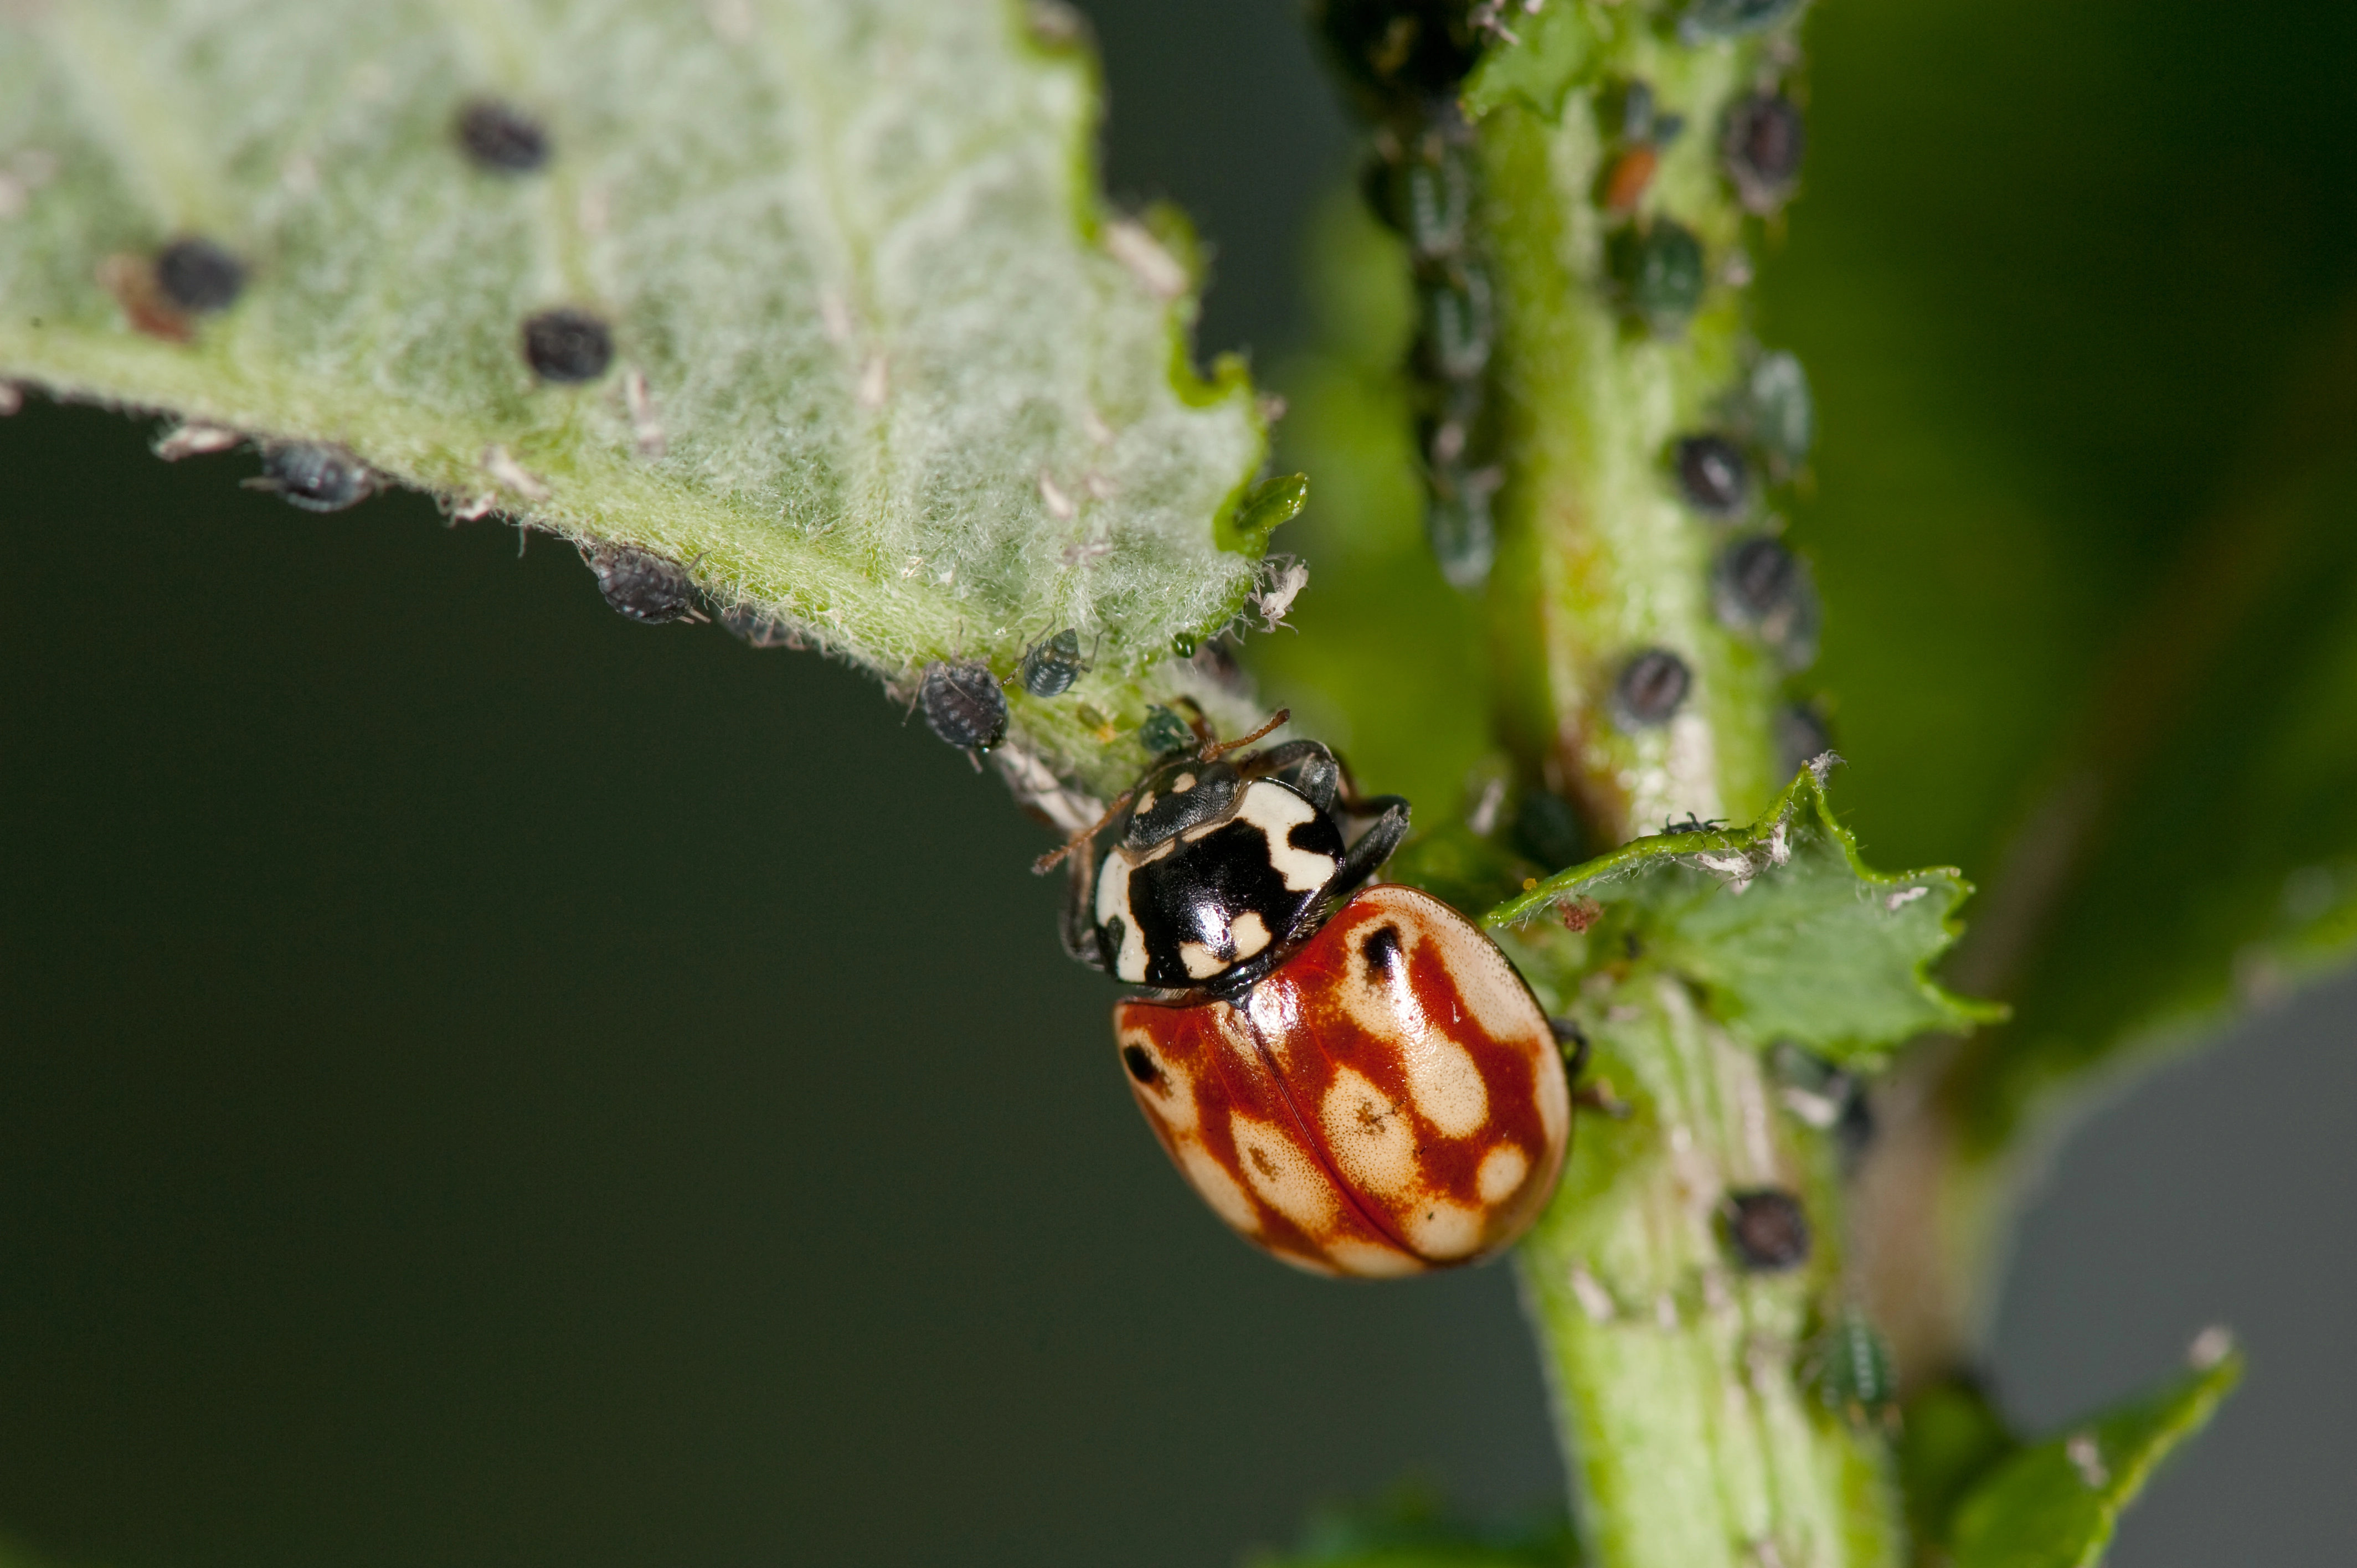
486 1083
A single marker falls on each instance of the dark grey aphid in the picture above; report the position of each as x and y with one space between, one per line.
1458 524
644 586
1762 149
567 345
1800 735
1760 587
1660 271
198 276
1549 829
964 704
1777 409
1767 1230
1651 688
1457 324
1733 18
501 138
317 476
1713 477
1050 668
756 628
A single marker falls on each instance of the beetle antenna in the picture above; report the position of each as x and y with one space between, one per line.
1055 857
1216 749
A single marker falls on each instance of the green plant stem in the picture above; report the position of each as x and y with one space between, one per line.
1690 1439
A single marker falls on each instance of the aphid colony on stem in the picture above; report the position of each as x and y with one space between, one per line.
1352 1077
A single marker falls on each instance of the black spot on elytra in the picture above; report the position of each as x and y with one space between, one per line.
1261 1163
567 345
1382 951
501 137
1141 1065
198 276
1768 1229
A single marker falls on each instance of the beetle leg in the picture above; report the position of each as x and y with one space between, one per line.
1077 924
1373 845
1304 765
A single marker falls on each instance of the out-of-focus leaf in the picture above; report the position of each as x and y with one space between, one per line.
880 363
2055 1505
1409 1528
1387 665
1951 1437
2080 518
1789 933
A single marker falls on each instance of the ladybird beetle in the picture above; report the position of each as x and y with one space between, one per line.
1353 1077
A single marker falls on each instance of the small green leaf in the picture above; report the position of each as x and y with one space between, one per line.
1550 54
1951 1437
1409 1526
2055 1505
1782 924
875 361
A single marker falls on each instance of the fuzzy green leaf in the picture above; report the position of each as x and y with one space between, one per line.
2055 1505
1782 923
882 366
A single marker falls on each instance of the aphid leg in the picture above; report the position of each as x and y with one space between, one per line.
1596 1096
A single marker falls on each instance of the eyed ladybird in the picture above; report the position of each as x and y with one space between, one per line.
1353 1077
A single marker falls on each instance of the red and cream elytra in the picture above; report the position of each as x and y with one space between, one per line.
1354 1077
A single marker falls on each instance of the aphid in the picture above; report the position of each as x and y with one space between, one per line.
1762 149
1164 732
1778 411
1459 526
317 476
1733 18
964 704
1713 477
1427 196
1458 327
1824 1097
1050 668
195 274
1549 829
1802 734
1767 1230
1625 178
642 584
1372 1092
1848 1366
1760 587
1400 53
567 345
501 138
756 628
1651 688
1691 823
1659 269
